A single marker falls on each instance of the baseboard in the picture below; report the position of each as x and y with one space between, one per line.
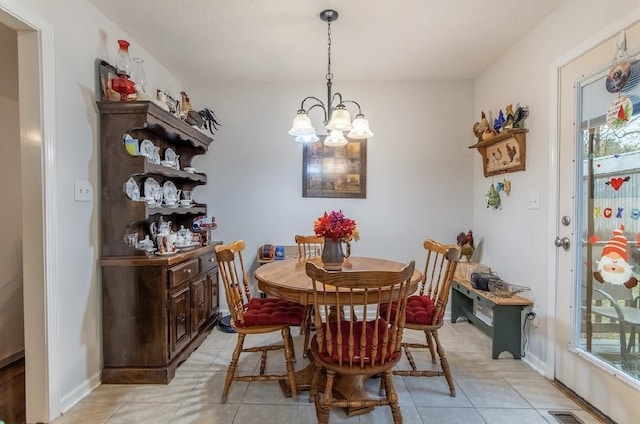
535 363
72 398
12 358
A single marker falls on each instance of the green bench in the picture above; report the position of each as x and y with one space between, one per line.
505 327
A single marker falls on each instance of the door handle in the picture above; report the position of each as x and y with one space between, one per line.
563 242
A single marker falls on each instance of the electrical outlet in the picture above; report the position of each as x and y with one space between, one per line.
535 322
83 192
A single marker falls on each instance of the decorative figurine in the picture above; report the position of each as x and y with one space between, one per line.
499 122
522 113
480 127
493 198
465 241
508 124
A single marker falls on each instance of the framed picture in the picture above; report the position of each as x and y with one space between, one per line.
106 72
503 153
335 171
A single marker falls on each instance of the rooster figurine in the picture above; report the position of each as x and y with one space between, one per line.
465 241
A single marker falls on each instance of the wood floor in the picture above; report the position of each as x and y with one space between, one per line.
12 395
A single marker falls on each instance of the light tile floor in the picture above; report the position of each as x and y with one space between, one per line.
488 391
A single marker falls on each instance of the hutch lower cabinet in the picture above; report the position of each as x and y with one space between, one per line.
156 312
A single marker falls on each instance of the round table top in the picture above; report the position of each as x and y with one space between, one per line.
287 279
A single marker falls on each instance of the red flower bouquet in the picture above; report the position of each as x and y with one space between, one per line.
335 226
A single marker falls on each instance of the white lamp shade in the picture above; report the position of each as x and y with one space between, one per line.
335 138
340 120
360 129
302 125
311 138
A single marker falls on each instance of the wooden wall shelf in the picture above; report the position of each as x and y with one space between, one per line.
503 153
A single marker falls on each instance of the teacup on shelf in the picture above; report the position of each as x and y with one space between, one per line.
190 169
185 202
168 163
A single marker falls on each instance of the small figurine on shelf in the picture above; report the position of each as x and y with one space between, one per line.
482 129
508 124
465 241
498 123
521 114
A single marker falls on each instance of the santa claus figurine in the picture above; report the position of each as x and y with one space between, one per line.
613 266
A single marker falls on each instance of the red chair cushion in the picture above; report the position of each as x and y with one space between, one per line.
420 310
272 311
369 327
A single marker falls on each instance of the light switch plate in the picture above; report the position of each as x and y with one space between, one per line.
83 192
534 200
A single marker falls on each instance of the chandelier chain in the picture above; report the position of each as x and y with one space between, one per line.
329 74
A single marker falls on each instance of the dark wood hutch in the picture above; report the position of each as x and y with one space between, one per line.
156 310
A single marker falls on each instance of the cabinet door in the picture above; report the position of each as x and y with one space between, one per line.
179 319
199 302
212 284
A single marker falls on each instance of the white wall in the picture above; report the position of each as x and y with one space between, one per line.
81 34
517 240
11 308
418 165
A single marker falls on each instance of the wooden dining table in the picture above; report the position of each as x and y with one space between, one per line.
287 279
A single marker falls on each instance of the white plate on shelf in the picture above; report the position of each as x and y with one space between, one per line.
150 187
170 193
132 189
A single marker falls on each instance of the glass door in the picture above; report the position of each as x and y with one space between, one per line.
598 257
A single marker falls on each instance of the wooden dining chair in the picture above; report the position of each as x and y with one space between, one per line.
255 315
347 346
308 247
425 310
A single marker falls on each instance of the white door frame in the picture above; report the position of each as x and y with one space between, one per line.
37 137
554 137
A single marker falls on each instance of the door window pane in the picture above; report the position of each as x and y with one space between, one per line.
609 208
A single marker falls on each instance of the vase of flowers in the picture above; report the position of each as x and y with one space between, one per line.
336 229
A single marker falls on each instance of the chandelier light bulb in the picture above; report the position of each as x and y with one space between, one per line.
311 138
335 138
302 125
360 128
340 119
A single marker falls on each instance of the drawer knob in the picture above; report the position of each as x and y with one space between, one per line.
212 260
188 270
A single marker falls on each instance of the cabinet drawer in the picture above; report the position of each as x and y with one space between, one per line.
207 261
181 273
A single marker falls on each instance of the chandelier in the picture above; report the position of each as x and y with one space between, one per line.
336 119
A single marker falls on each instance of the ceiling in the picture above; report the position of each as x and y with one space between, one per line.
285 40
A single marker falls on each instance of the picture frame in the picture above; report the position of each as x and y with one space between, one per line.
339 172
106 72
503 153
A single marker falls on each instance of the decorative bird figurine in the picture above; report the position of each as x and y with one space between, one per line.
499 122
488 132
480 127
521 114
508 124
465 241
